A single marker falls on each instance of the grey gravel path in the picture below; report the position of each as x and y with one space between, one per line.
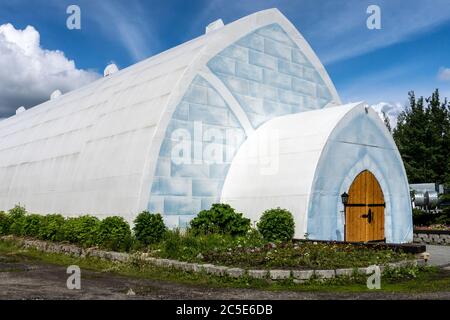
439 255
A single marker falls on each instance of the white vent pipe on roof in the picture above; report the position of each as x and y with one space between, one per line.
20 110
214 26
55 95
110 70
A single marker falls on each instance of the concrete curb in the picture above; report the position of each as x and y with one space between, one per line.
437 237
299 276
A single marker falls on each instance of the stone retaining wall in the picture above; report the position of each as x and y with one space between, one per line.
432 237
299 276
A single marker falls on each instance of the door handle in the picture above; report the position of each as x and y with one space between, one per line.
368 216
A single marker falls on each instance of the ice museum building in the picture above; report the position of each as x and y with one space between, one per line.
245 114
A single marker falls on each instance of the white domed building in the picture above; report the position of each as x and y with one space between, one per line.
245 114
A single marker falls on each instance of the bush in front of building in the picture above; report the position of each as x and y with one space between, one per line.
149 228
16 220
423 218
4 223
114 233
31 225
51 227
80 230
277 225
220 219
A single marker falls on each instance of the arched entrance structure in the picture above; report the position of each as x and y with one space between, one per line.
364 214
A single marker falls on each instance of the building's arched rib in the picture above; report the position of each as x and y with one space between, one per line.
240 114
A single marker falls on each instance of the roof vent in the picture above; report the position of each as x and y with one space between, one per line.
110 69
55 95
20 110
214 26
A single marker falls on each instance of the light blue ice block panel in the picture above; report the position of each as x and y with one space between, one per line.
172 185
174 205
206 187
208 202
267 65
359 144
181 188
163 167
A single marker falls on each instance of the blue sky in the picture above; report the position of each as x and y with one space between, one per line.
410 52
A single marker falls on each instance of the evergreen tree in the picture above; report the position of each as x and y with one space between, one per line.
423 138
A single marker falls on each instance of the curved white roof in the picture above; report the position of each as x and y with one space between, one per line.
94 150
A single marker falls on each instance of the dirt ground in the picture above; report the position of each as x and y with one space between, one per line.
23 280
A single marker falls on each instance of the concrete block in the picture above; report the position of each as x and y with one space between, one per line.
280 274
216 270
302 274
257 274
393 265
235 272
150 260
362 270
177 265
161 262
344 272
197 267
325 274
119 256
206 267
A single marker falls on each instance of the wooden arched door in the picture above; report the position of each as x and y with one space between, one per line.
364 213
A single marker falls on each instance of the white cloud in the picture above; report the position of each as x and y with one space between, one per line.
444 74
29 73
392 111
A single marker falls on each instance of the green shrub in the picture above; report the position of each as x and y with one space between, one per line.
277 224
172 245
31 225
421 218
4 223
81 230
17 220
17 212
187 246
220 219
52 228
114 234
443 217
149 228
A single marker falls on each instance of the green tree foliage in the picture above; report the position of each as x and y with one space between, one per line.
423 139
51 227
17 220
114 233
149 228
4 223
277 224
81 230
220 219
